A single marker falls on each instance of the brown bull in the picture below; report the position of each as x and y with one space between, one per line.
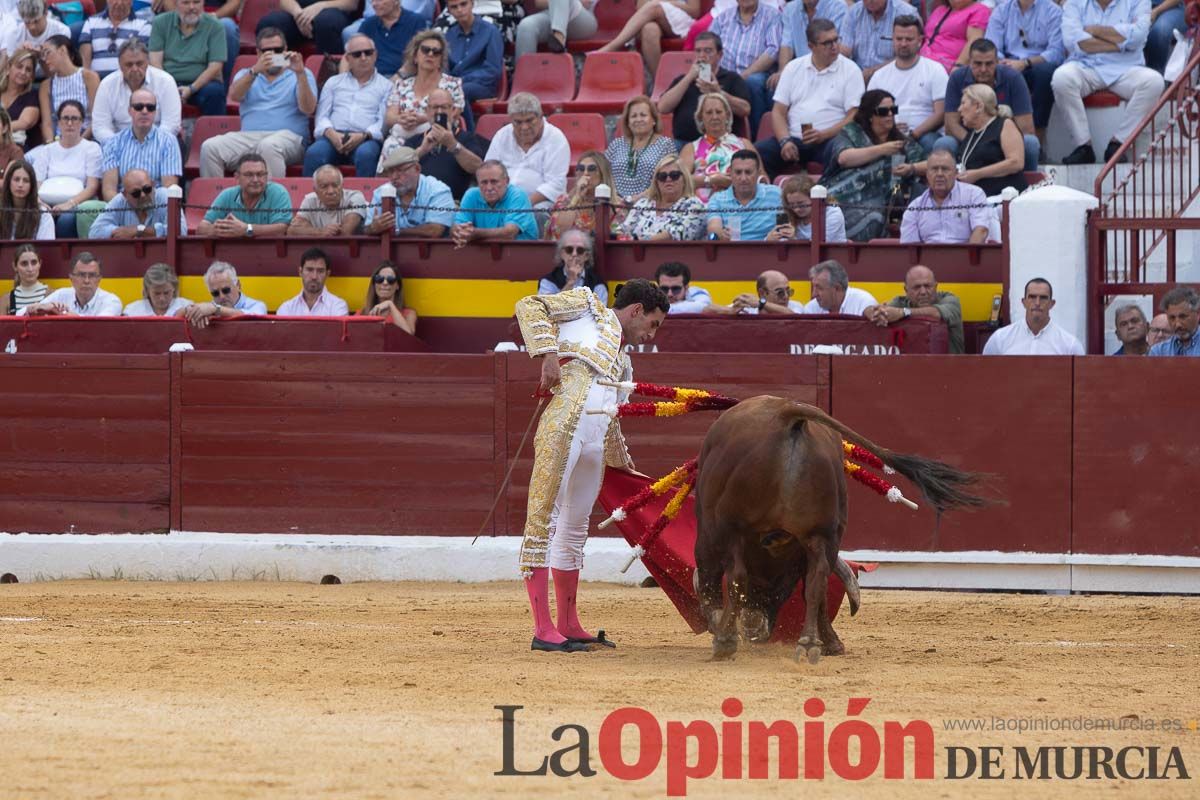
771 510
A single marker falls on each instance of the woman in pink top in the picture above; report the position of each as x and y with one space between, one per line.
951 28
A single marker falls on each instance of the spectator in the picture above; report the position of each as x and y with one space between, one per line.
318 21
385 298
816 97
652 19
276 103
1160 330
638 148
535 153
35 28
1132 329
9 150
68 170
329 210
1101 56
751 33
953 25
22 216
83 298
866 33
707 158
796 17
349 124
255 201
925 221
833 294
921 298
917 83
706 76
773 297
424 205
408 102
66 80
1166 17
228 300
1028 39
871 163
475 51
556 22
670 210
675 279
993 154
448 152
505 15
20 98
797 202
105 33
496 209
391 28
139 212
160 294
1180 305
1037 334
746 210
110 114
1010 90
226 12
575 209
143 145
574 266
27 289
314 300
191 47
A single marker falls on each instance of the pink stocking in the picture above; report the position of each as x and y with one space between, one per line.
538 588
566 585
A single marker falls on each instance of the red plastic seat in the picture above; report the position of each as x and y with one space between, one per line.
365 185
608 80
610 18
201 194
670 67
206 128
240 63
583 131
489 104
487 125
1102 99
252 12
548 76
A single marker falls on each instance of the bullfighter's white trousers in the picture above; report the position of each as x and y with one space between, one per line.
580 483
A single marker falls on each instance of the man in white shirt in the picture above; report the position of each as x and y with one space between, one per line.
832 293
227 298
537 155
774 293
160 295
314 300
816 96
675 278
84 297
1035 335
34 27
110 111
349 123
917 83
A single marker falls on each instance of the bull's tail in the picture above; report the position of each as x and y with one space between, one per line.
944 486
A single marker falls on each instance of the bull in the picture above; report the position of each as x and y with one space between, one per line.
771 508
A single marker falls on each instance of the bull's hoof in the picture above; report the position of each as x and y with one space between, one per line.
754 625
724 650
834 649
809 647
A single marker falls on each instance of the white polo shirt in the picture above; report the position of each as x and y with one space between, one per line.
916 89
542 168
855 302
327 305
142 308
102 304
1018 340
821 97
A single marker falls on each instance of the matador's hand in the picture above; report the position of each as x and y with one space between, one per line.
551 373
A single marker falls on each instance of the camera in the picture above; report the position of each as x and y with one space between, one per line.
279 60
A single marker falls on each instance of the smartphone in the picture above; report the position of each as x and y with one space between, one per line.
996 301
782 218
705 71
441 120
805 127
279 60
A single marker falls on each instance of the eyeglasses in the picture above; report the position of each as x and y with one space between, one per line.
388 279
224 290
576 250
430 51
362 53
587 167
261 176
673 289
673 175
86 276
71 118
145 191
143 107
1161 331
272 50
887 111
829 42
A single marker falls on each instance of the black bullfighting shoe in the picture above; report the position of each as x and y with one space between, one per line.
598 639
569 646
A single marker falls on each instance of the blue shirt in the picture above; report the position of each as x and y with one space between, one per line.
432 202
275 205
1025 34
158 154
390 42
1174 347
272 105
346 106
1011 89
795 22
475 210
1130 18
478 56
757 217
119 214
249 306
869 39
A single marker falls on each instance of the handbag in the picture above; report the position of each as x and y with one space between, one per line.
1181 54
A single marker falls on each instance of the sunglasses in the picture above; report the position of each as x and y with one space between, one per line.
227 290
431 51
674 289
587 167
388 279
145 191
144 106
362 53
576 250
887 111
673 175
272 50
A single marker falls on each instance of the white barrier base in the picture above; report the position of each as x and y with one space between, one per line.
187 556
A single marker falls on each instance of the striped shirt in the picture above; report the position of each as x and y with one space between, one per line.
1024 34
158 154
98 31
71 87
22 297
868 39
795 22
743 44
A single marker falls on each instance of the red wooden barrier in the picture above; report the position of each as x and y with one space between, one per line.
799 335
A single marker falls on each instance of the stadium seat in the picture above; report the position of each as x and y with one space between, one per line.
487 125
608 80
1102 99
200 196
365 185
583 131
670 67
206 128
252 12
488 105
548 76
610 18
240 63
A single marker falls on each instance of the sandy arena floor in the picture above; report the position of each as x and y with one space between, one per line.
231 690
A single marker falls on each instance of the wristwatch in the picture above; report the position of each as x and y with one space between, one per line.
249 230
762 303
141 229
457 147
907 312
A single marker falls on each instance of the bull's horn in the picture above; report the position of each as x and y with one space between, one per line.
637 553
850 581
894 495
